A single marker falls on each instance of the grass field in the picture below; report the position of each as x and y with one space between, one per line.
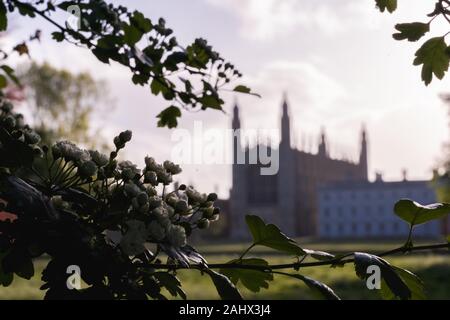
434 269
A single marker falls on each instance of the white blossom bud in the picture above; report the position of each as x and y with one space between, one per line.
154 202
87 169
132 243
99 158
172 199
151 191
31 137
172 167
164 177
156 231
125 136
181 206
176 236
131 189
151 177
142 198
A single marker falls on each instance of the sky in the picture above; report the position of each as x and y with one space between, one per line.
335 60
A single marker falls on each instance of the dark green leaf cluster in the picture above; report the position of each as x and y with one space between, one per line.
188 77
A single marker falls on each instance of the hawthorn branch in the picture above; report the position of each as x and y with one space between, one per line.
298 265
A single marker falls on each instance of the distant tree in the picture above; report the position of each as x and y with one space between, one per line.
442 180
61 103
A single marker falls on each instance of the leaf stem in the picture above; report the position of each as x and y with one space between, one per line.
330 262
246 251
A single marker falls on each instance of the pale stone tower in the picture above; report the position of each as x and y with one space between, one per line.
286 176
238 194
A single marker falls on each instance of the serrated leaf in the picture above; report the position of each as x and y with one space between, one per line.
22 48
139 20
226 289
3 81
269 235
168 117
411 31
414 283
58 36
132 35
389 5
3 17
245 89
415 213
319 289
253 280
211 101
388 274
434 57
171 283
319 255
10 72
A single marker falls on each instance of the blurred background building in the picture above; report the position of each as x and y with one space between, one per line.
314 194
365 209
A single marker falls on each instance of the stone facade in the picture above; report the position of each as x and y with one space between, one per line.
288 198
365 209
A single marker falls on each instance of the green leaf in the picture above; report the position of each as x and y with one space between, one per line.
211 101
168 117
58 36
6 278
132 34
411 31
253 280
140 21
414 283
226 289
171 283
10 72
389 5
3 81
3 17
270 236
434 57
101 54
319 255
244 89
25 9
392 279
160 85
414 213
319 289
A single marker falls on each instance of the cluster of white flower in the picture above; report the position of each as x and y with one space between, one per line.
195 196
128 170
14 124
172 167
122 139
156 173
31 137
86 165
132 242
69 152
99 158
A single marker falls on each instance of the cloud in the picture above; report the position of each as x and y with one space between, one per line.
267 19
311 94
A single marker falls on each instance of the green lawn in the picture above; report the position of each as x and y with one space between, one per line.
434 270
